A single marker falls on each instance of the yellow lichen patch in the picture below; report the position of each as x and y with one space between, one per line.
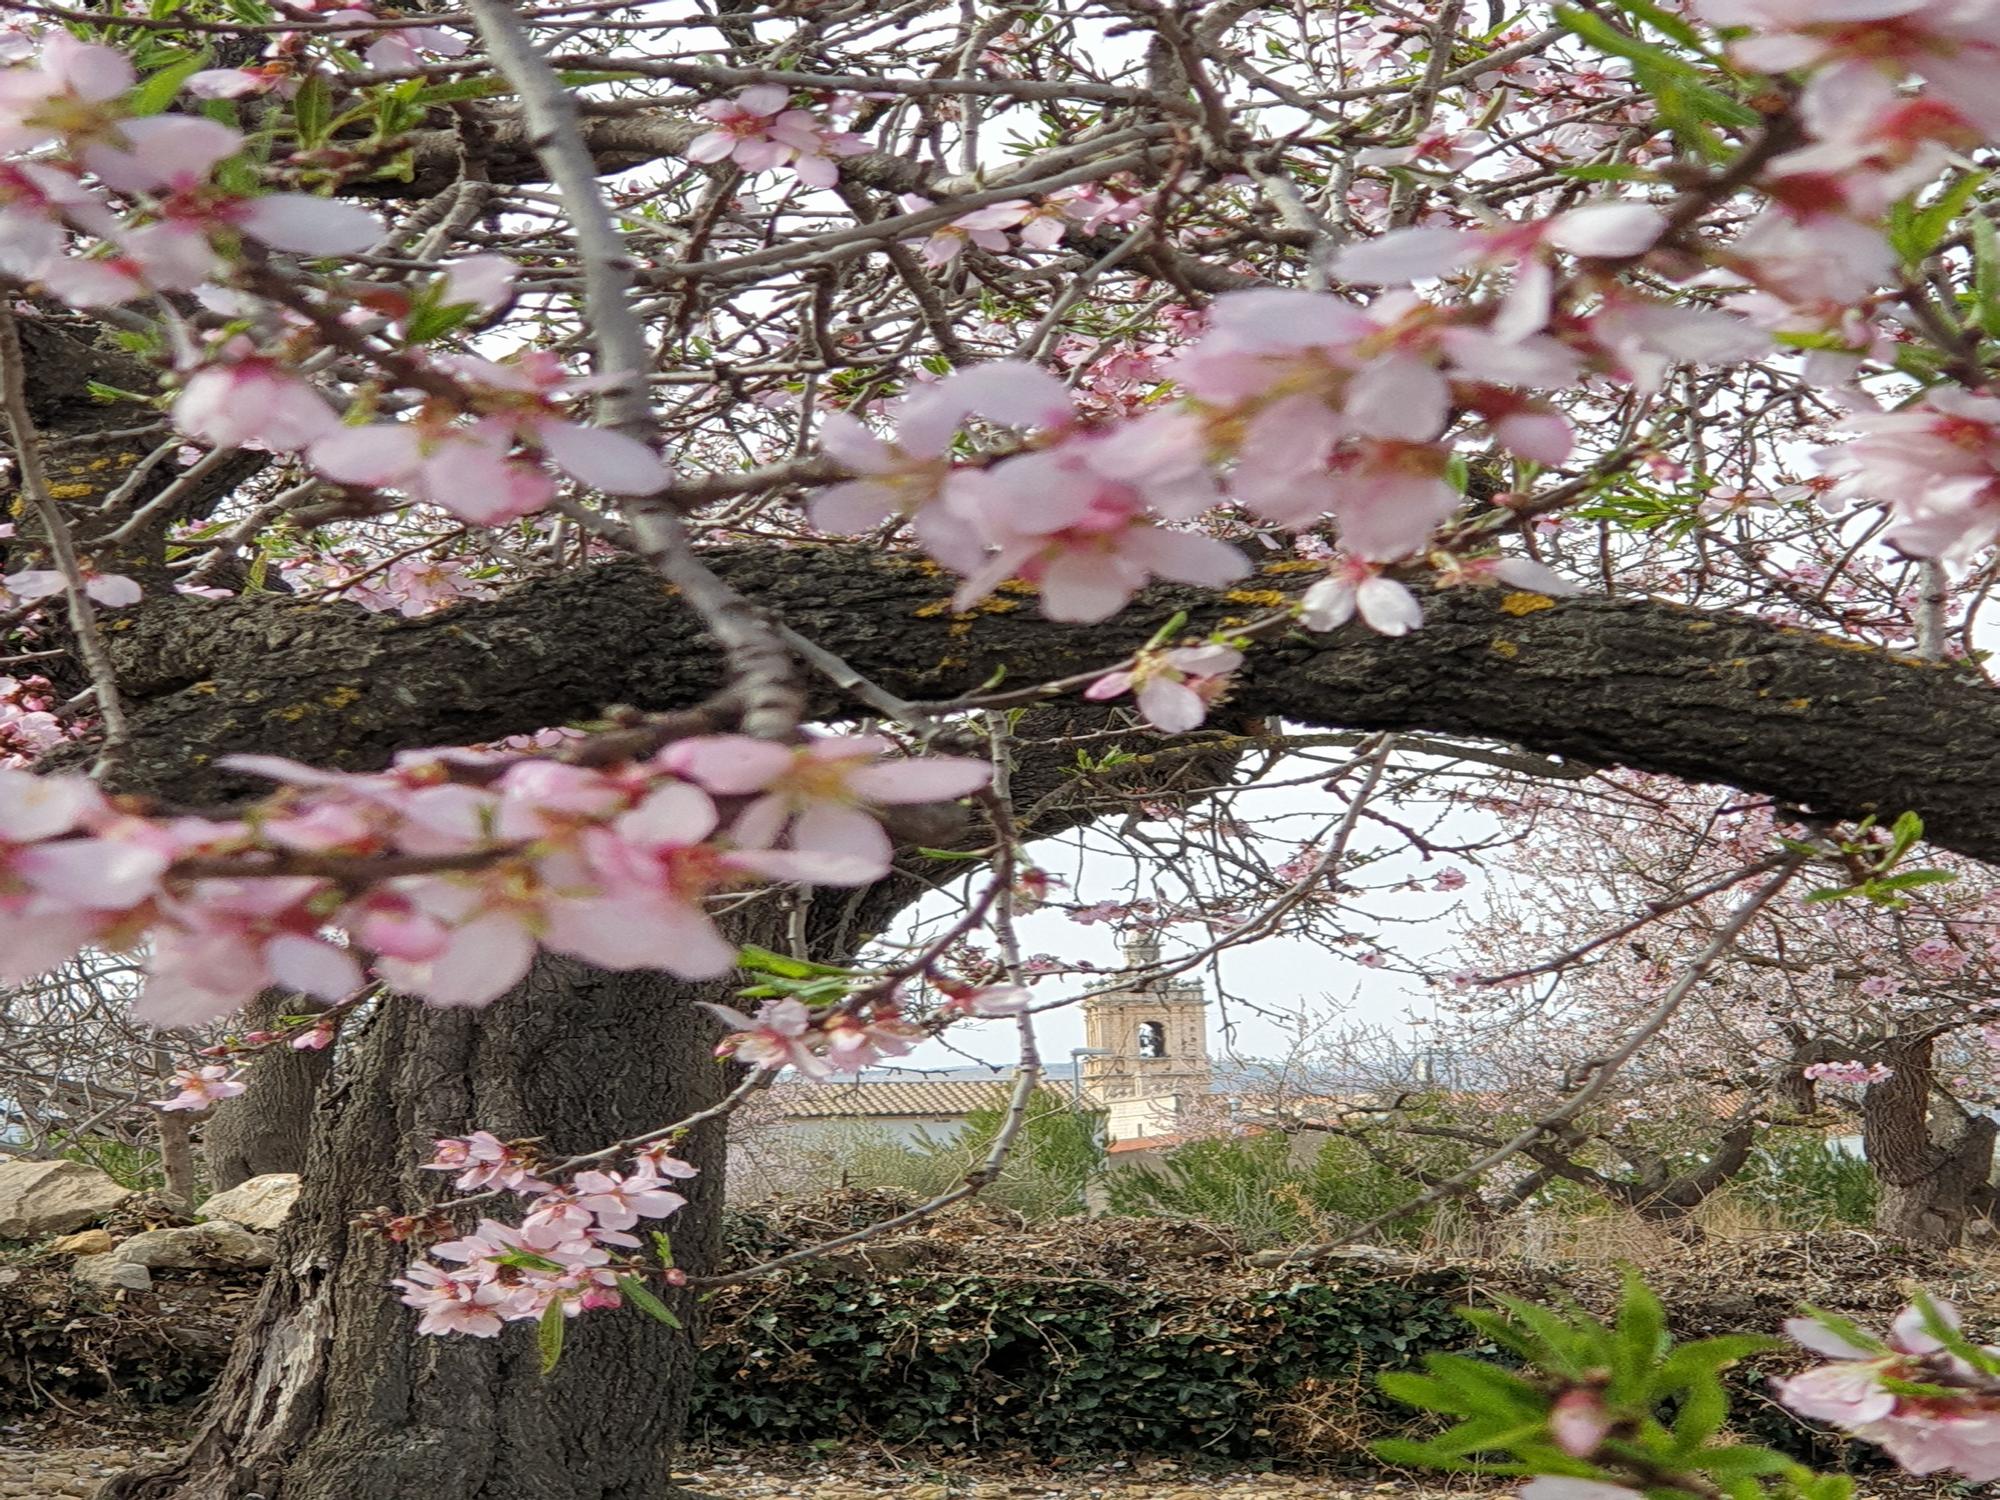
1524 603
1227 620
1016 586
1798 705
959 628
204 687
1700 627
74 491
99 465
340 697
995 606
1294 565
295 713
1507 649
947 662
932 610
1266 598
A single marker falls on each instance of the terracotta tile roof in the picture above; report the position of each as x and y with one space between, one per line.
1146 1143
872 1100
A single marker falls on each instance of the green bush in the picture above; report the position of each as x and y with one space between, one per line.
135 1167
1059 1365
1250 1184
1807 1184
1057 1153
1256 1186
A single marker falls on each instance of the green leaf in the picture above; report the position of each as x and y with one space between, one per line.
1906 880
763 961
929 853
527 1260
1985 276
1916 231
549 1336
1741 1461
1906 831
1608 171
1700 1357
160 89
312 111
462 89
1605 37
1640 1335
636 1292
1664 22
1701 1415
1168 631
663 1246
1424 1392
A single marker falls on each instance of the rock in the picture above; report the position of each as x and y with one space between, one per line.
41 1198
86 1242
197 1247
259 1203
108 1271
1372 1256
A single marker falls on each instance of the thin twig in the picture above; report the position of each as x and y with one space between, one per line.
62 545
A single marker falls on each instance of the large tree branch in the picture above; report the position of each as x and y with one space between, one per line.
1828 725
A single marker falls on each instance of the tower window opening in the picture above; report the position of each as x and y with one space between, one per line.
1152 1039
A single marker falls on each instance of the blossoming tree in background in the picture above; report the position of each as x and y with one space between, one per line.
1857 1010
539 532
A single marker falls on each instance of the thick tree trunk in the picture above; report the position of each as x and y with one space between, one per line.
1934 1175
330 1395
268 1127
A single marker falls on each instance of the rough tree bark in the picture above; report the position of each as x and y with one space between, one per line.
329 1396
268 1127
1828 726
1935 1171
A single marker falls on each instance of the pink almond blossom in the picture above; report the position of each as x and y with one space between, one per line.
201 1087
1174 687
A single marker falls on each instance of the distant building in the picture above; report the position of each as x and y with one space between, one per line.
1146 1059
905 1112
1144 1065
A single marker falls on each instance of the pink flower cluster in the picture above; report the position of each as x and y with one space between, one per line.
1082 516
1303 408
1936 462
786 1034
388 49
133 193
28 723
1849 1072
759 130
567 1251
610 865
1954 1424
481 454
1041 226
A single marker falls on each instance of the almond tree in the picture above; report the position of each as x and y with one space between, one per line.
1848 1005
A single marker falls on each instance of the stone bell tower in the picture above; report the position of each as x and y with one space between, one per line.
1154 1032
